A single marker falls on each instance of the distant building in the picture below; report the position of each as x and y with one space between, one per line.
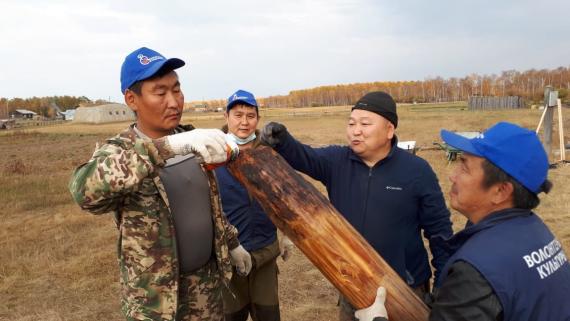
103 114
199 107
67 115
23 114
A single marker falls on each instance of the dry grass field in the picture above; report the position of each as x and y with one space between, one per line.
58 263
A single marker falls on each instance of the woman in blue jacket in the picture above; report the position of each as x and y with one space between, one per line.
386 193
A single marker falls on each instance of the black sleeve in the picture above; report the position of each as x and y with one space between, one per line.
315 162
434 217
465 295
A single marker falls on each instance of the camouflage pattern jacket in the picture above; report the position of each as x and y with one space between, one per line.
122 177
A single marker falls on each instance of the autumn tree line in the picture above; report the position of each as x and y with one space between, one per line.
528 84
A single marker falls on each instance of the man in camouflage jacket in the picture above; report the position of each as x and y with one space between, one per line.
123 177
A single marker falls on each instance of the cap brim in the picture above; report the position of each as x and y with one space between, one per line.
171 64
238 101
459 142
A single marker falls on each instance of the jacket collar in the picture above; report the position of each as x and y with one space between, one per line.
131 135
453 243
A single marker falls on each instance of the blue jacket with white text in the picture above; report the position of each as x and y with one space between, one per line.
522 261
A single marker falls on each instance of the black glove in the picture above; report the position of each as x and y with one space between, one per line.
273 134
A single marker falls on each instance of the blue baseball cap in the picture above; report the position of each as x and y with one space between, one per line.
515 150
142 64
241 96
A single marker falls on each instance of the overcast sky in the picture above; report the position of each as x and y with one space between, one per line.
271 47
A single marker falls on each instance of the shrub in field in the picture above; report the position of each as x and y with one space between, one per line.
17 167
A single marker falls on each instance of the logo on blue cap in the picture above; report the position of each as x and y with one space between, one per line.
144 63
241 96
515 150
144 60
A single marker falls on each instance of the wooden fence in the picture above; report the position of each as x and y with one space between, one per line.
13 124
486 103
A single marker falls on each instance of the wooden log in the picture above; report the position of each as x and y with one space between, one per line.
302 213
541 119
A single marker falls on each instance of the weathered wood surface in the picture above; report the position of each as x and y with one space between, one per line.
344 257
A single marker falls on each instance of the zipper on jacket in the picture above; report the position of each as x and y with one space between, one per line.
366 198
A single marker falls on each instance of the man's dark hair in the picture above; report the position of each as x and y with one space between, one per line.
137 86
522 197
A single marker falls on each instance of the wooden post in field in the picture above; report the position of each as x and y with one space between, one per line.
302 213
550 97
561 131
541 120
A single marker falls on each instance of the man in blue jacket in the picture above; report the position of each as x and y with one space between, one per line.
386 193
506 264
254 294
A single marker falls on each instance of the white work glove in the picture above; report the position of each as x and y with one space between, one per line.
241 259
208 144
285 248
377 309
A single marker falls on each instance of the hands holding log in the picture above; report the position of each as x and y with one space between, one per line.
298 209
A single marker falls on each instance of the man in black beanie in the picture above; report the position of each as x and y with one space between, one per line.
380 103
386 193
